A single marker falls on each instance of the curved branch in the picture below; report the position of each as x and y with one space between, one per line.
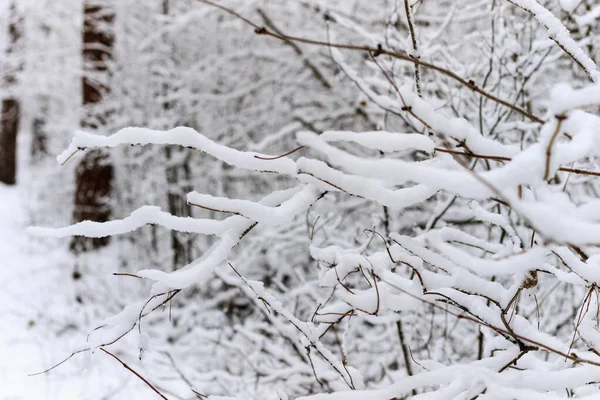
261 30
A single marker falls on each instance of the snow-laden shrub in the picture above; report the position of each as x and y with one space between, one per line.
456 259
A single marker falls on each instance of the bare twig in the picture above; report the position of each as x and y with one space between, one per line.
405 352
281 156
127 274
135 373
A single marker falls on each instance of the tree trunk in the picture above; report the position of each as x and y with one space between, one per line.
9 117
39 140
8 141
178 175
94 175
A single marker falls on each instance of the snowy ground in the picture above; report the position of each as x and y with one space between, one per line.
39 322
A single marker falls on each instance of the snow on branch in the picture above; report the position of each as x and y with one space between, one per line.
181 136
458 129
293 202
319 173
284 213
384 141
146 215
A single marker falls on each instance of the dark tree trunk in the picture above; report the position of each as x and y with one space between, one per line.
178 176
10 113
8 141
94 175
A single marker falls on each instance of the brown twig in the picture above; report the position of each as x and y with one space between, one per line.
215 209
329 183
471 154
500 330
502 158
281 156
127 274
261 30
135 373
376 291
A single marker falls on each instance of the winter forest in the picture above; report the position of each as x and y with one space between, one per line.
299 199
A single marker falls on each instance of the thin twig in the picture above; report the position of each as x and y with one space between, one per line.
502 158
127 274
182 375
134 372
405 352
415 45
281 156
